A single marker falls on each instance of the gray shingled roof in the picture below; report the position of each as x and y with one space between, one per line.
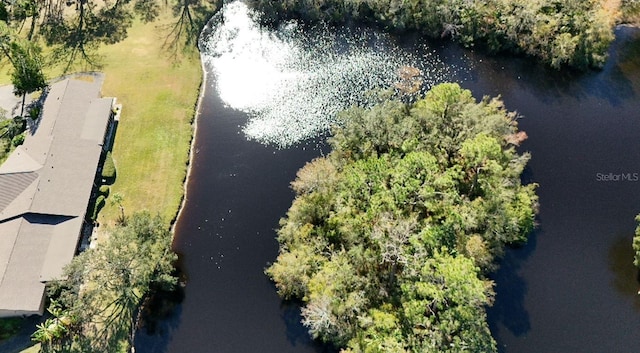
45 186
12 185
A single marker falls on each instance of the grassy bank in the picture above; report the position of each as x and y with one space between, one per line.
158 97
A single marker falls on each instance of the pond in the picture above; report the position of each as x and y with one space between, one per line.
270 96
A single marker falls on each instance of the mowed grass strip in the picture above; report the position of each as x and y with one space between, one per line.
152 142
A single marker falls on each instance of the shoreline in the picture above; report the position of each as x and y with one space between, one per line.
194 136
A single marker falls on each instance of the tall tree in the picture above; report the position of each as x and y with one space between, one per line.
105 285
27 75
26 60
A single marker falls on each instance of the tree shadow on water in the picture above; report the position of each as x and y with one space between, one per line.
626 277
614 82
296 333
160 315
508 310
628 56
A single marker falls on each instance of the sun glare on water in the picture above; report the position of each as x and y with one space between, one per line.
293 83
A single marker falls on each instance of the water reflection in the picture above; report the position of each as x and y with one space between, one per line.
625 274
509 311
292 82
551 86
629 55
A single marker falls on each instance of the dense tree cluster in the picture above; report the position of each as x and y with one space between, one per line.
95 306
569 32
389 236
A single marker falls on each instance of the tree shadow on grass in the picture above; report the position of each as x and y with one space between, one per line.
183 34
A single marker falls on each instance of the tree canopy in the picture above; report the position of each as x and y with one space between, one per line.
97 301
571 32
630 11
390 235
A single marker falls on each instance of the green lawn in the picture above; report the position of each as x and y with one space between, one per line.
152 142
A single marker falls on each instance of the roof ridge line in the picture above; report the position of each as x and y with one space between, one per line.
13 249
53 126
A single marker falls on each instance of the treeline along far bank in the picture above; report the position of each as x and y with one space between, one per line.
574 33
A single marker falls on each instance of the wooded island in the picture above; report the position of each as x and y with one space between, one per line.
390 236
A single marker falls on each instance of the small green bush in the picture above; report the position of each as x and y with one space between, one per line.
100 201
34 112
104 190
109 168
5 145
4 149
18 140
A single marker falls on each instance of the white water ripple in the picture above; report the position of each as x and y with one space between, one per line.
292 83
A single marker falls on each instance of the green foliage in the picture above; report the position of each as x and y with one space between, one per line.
27 75
630 11
23 9
445 303
54 329
575 33
10 128
4 14
116 200
17 140
104 286
5 146
104 190
74 33
109 168
34 112
390 235
99 204
11 135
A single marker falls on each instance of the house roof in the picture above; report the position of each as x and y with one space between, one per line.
45 186
14 184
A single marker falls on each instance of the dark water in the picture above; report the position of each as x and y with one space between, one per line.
237 192
572 288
